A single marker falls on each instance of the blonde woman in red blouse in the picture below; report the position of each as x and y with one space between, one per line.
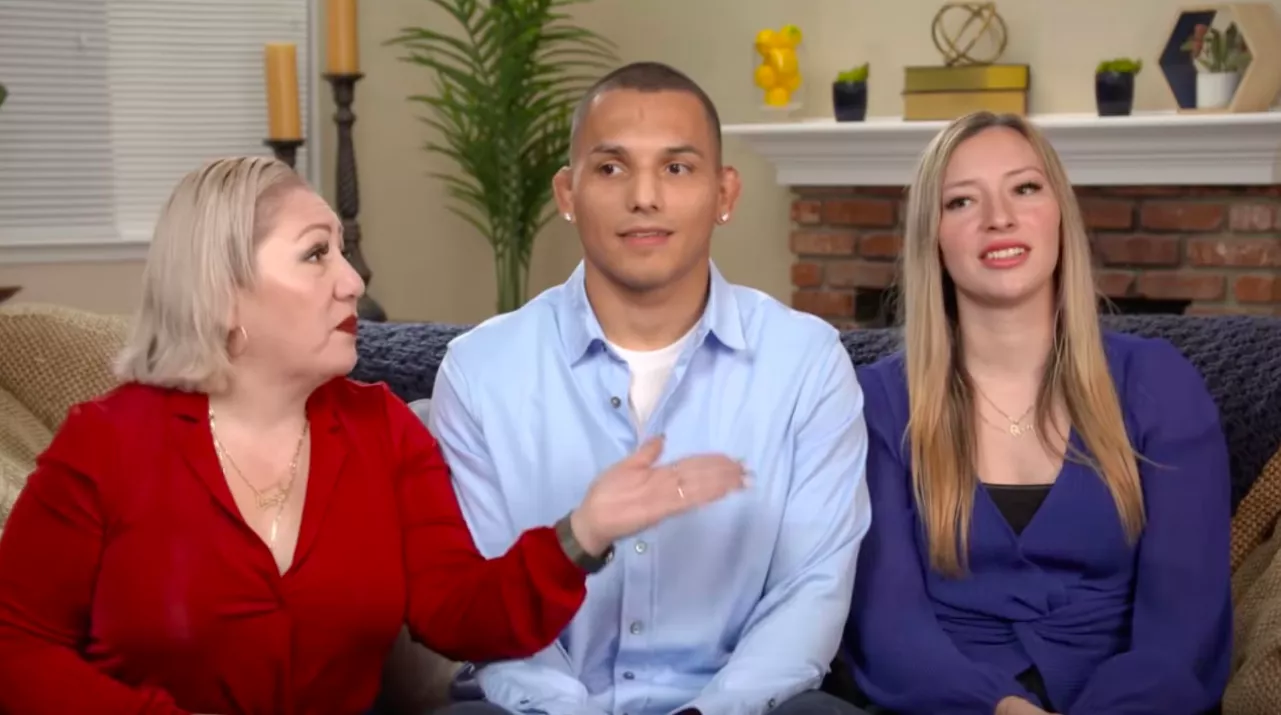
239 528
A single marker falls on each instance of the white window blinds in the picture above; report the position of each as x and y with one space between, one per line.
111 101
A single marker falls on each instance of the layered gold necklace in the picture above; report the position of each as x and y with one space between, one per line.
278 493
1017 427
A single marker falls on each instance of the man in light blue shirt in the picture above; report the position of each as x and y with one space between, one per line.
736 608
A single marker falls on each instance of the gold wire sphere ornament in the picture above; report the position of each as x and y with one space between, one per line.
982 22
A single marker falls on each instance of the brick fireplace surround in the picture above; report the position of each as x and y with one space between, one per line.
1217 247
1184 210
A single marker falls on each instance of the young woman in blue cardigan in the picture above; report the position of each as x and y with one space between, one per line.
1051 502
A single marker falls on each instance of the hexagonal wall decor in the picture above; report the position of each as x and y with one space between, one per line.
1260 82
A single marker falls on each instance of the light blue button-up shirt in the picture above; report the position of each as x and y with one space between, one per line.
730 609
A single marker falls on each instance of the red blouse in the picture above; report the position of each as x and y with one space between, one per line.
130 584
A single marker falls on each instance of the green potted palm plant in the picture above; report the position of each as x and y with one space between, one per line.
506 84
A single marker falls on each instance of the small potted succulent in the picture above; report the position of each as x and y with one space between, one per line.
1223 56
849 95
1114 86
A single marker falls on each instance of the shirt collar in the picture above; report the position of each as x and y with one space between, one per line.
581 331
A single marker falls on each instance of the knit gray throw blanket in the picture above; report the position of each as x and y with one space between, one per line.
1240 357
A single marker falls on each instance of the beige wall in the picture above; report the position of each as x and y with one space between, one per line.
427 264
107 287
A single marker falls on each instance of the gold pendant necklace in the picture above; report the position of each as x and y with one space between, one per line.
277 494
1016 427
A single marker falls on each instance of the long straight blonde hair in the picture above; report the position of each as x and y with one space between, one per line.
941 432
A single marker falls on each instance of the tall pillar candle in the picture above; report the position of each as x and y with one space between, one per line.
343 51
283 117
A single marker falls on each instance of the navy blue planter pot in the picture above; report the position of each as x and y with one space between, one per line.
849 101
1114 93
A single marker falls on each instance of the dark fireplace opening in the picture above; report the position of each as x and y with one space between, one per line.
1143 306
878 307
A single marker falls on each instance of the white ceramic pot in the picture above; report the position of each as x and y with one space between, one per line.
1214 90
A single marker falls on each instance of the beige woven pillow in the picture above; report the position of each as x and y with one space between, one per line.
1255 686
50 359
22 438
53 357
1258 512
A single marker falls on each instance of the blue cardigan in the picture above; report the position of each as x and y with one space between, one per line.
1115 629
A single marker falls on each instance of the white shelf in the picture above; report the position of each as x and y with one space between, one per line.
1154 149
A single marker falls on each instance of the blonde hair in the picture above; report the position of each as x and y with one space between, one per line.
201 254
941 432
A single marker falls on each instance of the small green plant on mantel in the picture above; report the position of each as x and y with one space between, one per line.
849 94
853 76
1121 65
1114 86
507 81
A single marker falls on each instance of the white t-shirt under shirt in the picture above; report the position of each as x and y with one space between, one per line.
650 371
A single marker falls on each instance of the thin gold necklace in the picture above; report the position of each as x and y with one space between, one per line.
1016 426
278 493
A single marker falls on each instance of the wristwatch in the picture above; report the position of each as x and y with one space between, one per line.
576 552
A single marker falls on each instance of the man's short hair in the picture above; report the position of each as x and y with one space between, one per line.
647 77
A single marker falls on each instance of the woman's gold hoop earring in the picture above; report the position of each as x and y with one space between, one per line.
244 339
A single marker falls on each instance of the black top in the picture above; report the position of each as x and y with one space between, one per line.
1018 502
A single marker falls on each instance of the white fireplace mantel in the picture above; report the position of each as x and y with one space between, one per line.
1157 149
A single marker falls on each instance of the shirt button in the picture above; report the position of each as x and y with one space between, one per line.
629 675
772 703
615 402
637 627
641 546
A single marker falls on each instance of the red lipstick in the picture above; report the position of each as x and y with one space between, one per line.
348 325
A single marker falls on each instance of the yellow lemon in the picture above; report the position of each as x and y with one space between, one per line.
765 77
792 82
791 34
778 97
765 40
783 61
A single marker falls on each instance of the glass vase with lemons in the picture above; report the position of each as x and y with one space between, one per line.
778 70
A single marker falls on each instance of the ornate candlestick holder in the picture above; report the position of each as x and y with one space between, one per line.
285 150
348 188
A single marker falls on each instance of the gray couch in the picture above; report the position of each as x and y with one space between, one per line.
1239 356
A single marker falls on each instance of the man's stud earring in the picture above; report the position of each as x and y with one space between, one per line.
569 217
725 218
